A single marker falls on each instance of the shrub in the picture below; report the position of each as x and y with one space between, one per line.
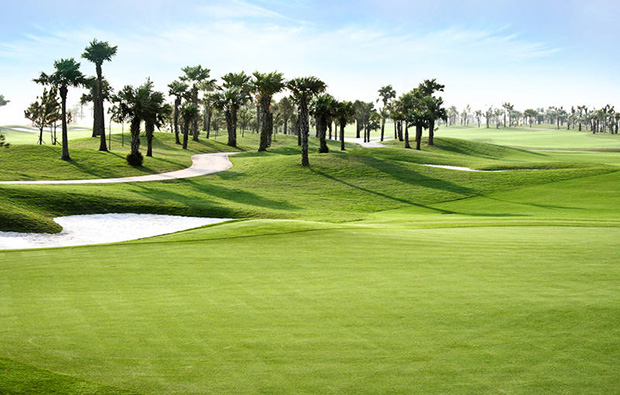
135 159
2 142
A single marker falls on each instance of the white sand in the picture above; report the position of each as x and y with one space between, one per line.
103 228
463 168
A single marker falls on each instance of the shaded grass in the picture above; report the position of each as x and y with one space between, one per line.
20 379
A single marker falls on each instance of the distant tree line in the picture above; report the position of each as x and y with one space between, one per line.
238 101
601 120
243 102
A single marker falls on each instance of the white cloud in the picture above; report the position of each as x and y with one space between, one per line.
237 9
354 61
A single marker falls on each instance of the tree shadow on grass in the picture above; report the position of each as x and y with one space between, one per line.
440 184
404 174
381 194
209 190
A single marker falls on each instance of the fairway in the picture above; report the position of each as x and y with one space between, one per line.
367 273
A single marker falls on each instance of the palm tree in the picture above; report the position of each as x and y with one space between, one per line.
530 114
434 111
386 93
132 103
419 115
478 117
323 108
66 74
287 109
498 113
98 52
344 114
194 76
582 110
265 86
237 80
303 89
230 100
427 89
207 86
452 115
177 89
508 107
154 115
189 112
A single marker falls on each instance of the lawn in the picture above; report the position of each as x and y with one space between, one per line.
367 273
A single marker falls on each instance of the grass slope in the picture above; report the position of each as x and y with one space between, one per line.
550 138
366 273
341 186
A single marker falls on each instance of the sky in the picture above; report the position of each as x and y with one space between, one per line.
530 53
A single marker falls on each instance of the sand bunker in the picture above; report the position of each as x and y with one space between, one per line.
459 168
103 228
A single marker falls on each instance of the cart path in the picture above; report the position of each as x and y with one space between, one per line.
202 164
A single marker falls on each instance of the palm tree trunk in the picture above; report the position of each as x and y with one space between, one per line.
149 127
431 132
99 109
177 103
95 115
135 135
321 125
418 137
382 127
195 121
208 124
263 105
204 118
304 130
185 132
65 136
231 128
342 126
269 122
407 136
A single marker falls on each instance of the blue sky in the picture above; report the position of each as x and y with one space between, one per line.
530 53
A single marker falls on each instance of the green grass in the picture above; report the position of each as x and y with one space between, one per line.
18 137
367 273
536 138
21 379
